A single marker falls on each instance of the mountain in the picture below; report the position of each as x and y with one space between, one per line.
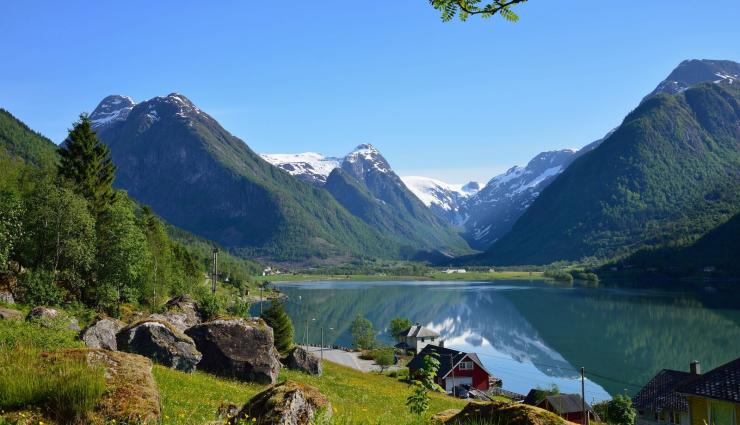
718 249
668 174
695 71
20 141
365 184
444 199
176 158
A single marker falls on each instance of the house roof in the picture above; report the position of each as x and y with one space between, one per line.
418 331
448 359
660 392
720 383
566 403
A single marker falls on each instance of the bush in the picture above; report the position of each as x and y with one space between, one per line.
38 288
210 306
240 308
559 275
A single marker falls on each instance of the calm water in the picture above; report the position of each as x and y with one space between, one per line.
535 334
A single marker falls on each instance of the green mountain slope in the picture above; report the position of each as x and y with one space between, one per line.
668 174
197 176
20 141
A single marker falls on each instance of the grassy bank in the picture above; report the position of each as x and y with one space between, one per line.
437 276
357 398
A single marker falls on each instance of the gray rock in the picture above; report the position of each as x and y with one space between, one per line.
237 348
53 319
182 313
7 297
102 334
302 360
160 342
8 314
288 403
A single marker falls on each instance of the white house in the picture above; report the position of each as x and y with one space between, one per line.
416 338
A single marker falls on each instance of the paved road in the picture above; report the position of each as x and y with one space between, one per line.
346 358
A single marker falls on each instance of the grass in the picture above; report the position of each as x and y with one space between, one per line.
441 276
356 397
65 388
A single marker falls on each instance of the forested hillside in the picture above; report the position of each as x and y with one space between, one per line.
667 175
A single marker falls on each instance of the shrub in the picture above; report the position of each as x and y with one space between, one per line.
559 275
240 308
38 288
210 306
363 334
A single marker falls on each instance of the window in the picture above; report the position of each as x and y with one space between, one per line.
466 365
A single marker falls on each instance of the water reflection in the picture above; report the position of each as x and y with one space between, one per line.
530 334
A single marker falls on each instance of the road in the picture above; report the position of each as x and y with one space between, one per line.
348 359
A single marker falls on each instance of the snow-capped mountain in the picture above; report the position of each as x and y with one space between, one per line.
690 72
111 109
444 199
311 167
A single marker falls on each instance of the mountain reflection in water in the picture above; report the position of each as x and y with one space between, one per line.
532 334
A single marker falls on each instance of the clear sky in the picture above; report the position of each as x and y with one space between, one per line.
455 101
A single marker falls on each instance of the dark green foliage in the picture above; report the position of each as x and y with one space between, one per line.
11 229
617 411
282 326
239 308
423 381
86 162
384 358
363 334
540 393
398 325
38 287
22 142
559 275
666 176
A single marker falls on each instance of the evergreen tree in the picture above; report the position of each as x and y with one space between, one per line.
282 326
86 162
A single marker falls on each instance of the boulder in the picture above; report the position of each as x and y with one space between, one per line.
102 334
7 297
237 348
52 318
160 342
302 360
131 394
9 314
182 313
498 412
288 403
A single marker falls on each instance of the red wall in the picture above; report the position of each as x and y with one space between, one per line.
480 377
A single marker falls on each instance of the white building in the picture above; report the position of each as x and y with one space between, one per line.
417 337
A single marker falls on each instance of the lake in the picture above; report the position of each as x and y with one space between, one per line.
532 333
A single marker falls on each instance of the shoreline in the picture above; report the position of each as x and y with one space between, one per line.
471 276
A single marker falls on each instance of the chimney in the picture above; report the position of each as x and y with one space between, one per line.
695 367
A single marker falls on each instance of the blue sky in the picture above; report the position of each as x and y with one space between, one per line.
455 101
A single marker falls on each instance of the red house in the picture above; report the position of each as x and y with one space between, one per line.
456 368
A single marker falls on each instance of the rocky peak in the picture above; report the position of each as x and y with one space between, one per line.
695 71
365 158
111 109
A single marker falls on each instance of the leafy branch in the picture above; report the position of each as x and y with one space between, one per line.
465 8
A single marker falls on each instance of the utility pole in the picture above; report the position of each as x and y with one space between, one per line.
584 420
452 365
214 267
261 300
305 335
322 344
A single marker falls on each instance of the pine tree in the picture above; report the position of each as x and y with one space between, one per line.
282 326
86 162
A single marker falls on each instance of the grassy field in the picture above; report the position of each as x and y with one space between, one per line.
437 276
356 397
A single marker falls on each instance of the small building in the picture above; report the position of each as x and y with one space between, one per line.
417 337
568 407
451 271
658 402
714 398
456 368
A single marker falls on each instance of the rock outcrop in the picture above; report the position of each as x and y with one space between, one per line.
102 334
9 314
52 318
237 348
7 297
288 403
302 360
161 342
182 313
498 412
